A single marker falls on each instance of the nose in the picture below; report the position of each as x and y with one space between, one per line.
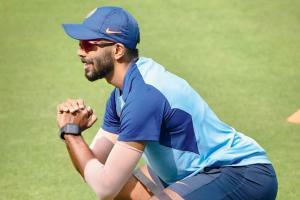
81 52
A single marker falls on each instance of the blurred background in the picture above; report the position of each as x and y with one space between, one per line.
241 56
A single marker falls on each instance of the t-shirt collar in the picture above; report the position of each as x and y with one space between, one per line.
128 79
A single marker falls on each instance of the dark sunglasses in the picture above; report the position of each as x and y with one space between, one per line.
89 45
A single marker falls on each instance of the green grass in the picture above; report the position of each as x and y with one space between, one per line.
241 56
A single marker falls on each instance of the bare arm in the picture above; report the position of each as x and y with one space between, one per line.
103 141
79 152
105 179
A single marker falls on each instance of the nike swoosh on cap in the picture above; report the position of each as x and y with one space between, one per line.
112 32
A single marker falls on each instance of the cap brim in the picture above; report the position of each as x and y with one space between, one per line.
80 32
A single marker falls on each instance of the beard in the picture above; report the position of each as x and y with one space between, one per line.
102 66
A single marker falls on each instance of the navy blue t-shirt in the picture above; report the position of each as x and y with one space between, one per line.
182 134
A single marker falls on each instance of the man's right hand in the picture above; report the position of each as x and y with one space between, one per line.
74 107
71 105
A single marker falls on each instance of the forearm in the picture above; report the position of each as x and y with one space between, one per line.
79 152
107 180
102 144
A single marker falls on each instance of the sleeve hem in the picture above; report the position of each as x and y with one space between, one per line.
131 139
114 130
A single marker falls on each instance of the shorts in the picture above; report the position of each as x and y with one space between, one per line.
257 181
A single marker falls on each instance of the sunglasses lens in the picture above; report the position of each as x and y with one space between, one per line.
90 45
85 45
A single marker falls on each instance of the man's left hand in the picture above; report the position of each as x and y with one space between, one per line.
84 118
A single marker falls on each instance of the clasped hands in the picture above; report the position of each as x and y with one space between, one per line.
74 111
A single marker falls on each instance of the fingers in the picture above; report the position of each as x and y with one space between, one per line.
61 108
71 105
80 103
92 120
85 118
80 113
90 110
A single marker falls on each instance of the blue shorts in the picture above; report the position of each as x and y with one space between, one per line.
257 181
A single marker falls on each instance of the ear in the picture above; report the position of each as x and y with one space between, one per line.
119 51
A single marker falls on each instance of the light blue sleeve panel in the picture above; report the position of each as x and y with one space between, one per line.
111 121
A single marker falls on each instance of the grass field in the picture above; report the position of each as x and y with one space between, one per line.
241 56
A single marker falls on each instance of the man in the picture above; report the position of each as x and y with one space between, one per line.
190 153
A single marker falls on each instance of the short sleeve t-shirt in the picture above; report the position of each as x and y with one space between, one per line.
182 134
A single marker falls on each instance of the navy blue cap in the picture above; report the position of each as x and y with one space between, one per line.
111 23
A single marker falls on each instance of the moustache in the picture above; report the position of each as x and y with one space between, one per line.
87 61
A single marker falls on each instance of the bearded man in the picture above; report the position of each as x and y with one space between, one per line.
190 153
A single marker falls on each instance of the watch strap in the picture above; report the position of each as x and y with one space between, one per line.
69 129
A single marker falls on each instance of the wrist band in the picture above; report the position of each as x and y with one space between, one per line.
69 129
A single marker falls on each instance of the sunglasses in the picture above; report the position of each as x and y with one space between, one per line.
89 45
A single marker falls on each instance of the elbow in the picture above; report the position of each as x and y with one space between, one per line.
104 196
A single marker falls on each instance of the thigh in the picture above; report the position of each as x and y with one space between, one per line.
261 182
154 186
134 189
184 189
200 186
247 182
